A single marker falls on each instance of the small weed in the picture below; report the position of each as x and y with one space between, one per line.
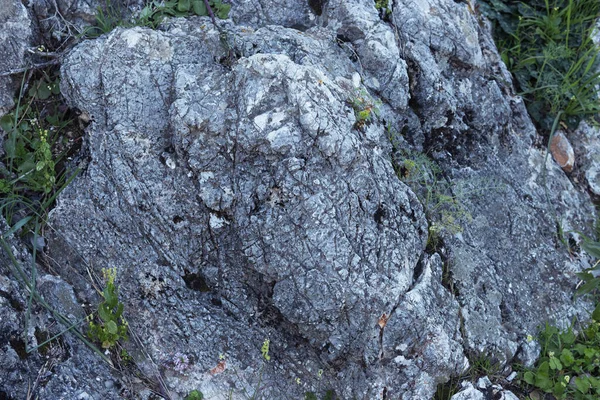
39 134
480 365
194 395
569 366
365 108
33 129
547 46
384 7
110 17
589 277
111 326
440 200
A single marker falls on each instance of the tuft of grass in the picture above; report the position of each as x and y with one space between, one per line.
548 47
480 365
440 199
110 16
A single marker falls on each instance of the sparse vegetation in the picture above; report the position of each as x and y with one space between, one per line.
569 364
441 200
39 134
110 16
110 326
547 45
366 109
194 395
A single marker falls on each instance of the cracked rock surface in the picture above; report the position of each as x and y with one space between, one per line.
15 37
228 176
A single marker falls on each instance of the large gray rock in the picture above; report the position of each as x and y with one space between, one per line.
508 268
254 179
231 180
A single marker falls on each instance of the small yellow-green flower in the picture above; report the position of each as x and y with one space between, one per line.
265 349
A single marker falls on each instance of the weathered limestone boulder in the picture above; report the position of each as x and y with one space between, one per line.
241 180
250 175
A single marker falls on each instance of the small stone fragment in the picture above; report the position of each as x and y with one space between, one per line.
484 382
562 151
511 377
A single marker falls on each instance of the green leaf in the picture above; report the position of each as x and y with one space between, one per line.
223 11
111 326
588 287
194 395
559 389
55 87
596 313
589 353
119 311
329 395
567 358
529 377
568 337
183 5
582 384
16 226
44 91
104 313
7 122
199 8
591 247
110 297
555 363
543 382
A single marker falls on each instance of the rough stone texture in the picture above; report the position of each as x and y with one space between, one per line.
299 15
15 38
508 268
229 181
484 390
469 392
249 174
65 368
586 142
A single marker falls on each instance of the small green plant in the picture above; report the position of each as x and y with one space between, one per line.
569 365
329 395
440 200
194 395
384 7
29 138
365 108
110 326
589 277
35 144
548 47
480 365
109 17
